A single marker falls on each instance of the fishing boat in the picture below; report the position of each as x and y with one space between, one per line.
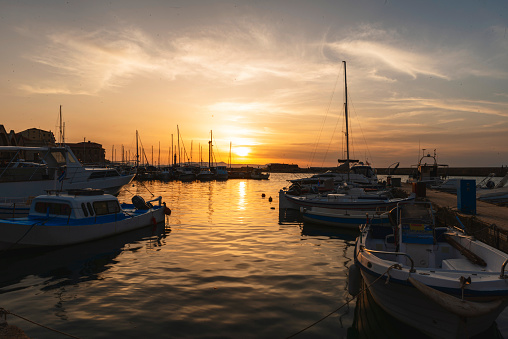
205 174
221 173
55 168
185 173
343 218
437 279
428 170
77 216
259 174
352 199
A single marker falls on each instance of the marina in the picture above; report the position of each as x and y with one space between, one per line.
232 265
254 169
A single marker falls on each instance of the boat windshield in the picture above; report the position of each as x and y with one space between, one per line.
52 208
417 213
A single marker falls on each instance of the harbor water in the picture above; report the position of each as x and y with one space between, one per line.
226 264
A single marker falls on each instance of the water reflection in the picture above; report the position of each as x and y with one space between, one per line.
241 195
69 265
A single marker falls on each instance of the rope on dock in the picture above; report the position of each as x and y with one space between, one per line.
4 312
347 302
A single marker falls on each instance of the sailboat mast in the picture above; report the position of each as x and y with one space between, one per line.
61 132
210 151
346 113
178 134
137 150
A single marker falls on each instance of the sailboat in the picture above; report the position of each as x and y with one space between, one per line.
334 207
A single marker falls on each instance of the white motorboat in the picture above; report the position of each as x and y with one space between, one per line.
358 174
489 191
436 279
343 218
58 169
353 199
76 217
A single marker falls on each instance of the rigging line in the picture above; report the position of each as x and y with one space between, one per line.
326 115
346 303
363 134
213 154
5 312
331 139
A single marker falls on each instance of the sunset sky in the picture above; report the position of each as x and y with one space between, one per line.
265 76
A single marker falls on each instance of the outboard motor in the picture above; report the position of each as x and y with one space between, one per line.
140 203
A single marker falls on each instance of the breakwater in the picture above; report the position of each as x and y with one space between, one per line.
500 171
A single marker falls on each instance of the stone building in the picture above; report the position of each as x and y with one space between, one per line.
35 137
88 152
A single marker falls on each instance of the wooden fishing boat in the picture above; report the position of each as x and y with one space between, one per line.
436 279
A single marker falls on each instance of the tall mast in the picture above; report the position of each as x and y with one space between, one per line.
210 151
61 131
137 150
346 113
178 134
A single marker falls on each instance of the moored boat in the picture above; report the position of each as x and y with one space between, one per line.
343 218
436 279
56 168
77 216
354 199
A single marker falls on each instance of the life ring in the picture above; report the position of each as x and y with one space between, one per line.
167 211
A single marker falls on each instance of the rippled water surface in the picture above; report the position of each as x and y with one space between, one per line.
227 264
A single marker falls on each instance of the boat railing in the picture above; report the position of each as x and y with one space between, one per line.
412 269
159 199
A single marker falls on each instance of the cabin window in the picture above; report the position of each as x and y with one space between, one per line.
59 157
106 207
90 209
53 208
85 211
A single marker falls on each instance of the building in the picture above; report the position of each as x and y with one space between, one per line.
282 168
34 137
88 152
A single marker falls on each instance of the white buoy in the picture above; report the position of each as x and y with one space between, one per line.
355 279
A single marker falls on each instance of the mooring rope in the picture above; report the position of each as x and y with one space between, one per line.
346 303
4 312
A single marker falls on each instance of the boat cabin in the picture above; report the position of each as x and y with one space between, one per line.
74 206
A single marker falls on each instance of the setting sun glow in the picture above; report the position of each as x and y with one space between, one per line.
242 151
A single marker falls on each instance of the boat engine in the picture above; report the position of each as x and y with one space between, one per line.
140 203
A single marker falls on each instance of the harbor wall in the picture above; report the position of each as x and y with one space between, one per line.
450 171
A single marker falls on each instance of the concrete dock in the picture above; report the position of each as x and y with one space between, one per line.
489 224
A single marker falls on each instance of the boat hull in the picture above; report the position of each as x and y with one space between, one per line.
413 308
24 189
32 232
344 218
343 203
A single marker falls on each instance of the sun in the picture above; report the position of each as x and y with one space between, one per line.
242 151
